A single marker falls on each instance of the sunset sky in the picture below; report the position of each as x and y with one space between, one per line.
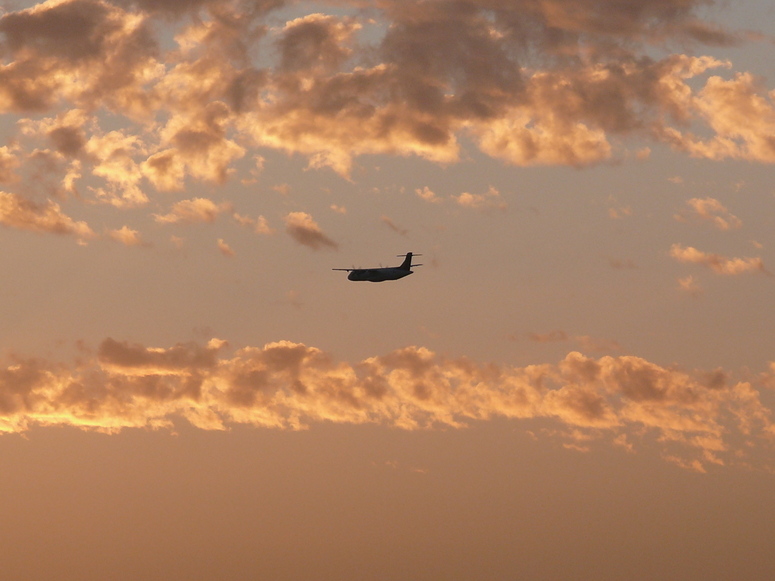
578 383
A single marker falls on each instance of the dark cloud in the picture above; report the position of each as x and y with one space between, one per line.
134 357
68 140
75 30
304 230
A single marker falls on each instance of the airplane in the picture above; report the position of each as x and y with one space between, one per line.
382 274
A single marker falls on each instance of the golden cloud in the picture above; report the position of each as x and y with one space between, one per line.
700 417
713 211
530 82
716 262
192 211
18 212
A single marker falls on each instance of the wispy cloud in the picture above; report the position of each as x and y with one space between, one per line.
192 211
224 248
304 230
259 225
712 211
392 225
688 284
716 262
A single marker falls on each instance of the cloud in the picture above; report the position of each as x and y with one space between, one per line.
126 236
741 112
89 52
699 417
713 211
259 225
21 213
689 285
390 224
487 201
428 195
527 82
8 162
717 263
224 248
304 230
192 211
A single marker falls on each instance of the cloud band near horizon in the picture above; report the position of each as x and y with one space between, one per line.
694 419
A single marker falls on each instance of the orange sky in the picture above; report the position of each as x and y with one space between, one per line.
576 384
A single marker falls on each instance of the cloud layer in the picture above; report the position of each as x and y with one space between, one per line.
697 418
529 82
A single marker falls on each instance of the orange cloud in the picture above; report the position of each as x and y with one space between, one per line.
18 212
487 201
717 263
428 195
713 211
529 82
290 385
192 211
8 162
224 248
259 225
126 236
742 114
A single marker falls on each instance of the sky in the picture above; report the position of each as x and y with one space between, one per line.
577 383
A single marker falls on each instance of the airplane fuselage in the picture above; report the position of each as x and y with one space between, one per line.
378 274
382 273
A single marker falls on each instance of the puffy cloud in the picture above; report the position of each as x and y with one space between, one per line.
487 201
531 82
701 417
713 211
741 113
716 262
21 213
126 236
87 51
315 41
192 211
304 230
259 225
8 162
428 195
113 155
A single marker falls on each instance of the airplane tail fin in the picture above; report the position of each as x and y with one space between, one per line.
407 263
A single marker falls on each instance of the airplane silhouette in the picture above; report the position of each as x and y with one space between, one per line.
382 274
